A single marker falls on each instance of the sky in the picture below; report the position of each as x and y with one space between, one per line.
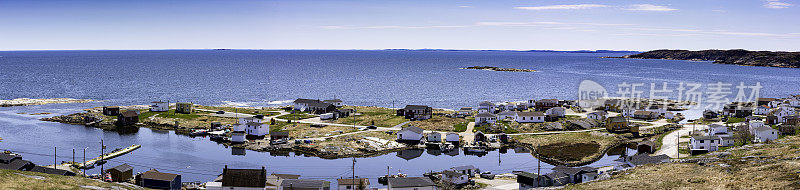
401 24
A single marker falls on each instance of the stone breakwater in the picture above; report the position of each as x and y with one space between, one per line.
30 101
487 68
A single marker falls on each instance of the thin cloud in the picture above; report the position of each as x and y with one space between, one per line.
563 7
464 6
776 4
649 7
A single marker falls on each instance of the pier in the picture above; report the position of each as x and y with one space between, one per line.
109 155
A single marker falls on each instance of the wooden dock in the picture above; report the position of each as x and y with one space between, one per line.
110 155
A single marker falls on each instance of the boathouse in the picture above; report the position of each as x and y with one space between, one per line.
158 180
120 173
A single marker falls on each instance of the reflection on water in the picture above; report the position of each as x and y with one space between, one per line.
238 151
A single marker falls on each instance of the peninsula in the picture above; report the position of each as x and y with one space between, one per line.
488 68
30 101
735 56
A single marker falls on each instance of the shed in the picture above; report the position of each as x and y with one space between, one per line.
648 147
122 172
278 135
158 180
111 110
128 117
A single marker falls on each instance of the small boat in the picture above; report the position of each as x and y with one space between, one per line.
199 132
448 147
101 162
217 138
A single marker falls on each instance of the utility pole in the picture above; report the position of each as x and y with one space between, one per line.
73 156
102 159
84 161
55 160
354 168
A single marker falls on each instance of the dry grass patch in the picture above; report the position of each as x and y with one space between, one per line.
381 117
570 147
438 123
11 179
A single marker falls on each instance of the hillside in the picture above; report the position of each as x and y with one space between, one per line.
12 179
758 166
737 57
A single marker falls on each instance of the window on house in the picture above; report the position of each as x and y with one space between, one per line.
701 141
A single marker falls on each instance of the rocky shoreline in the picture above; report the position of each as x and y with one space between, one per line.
733 57
488 68
31 102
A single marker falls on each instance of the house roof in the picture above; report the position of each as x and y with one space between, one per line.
244 177
8 157
466 109
508 113
333 100
47 170
412 129
767 99
486 114
527 174
706 137
486 103
617 119
254 123
530 114
410 182
129 113
357 181
156 175
305 101
648 143
16 164
640 112
451 173
286 176
764 128
416 107
452 133
319 104
305 183
121 168
600 113
574 171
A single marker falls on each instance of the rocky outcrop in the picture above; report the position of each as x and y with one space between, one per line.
736 57
30 102
499 69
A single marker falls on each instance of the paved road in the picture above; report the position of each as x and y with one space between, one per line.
669 145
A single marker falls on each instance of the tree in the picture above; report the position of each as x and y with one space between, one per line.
742 135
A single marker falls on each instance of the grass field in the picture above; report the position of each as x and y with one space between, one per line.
253 111
582 146
381 117
439 123
296 116
12 179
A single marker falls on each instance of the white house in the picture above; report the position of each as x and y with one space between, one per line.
726 141
410 133
452 137
715 129
774 104
434 137
335 102
410 183
628 112
765 133
257 129
353 184
508 114
530 117
246 120
782 112
762 110
491 107
587 177
455 177
556 112
754 125
304 184
706 143
599 115
159 106
510 105
485 117
238 134
482 110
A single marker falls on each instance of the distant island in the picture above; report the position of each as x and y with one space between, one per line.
499 69
736 57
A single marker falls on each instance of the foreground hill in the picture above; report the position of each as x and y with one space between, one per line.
737 57
12 179
759 166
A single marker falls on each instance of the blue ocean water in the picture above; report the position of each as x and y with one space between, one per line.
381 78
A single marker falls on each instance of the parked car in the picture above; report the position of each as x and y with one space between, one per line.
372 127
220 112
487 175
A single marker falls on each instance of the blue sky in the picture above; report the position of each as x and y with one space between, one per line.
413 24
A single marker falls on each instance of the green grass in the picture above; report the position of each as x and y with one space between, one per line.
146 114
734 120
461 127
295 116
172 114
252 111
